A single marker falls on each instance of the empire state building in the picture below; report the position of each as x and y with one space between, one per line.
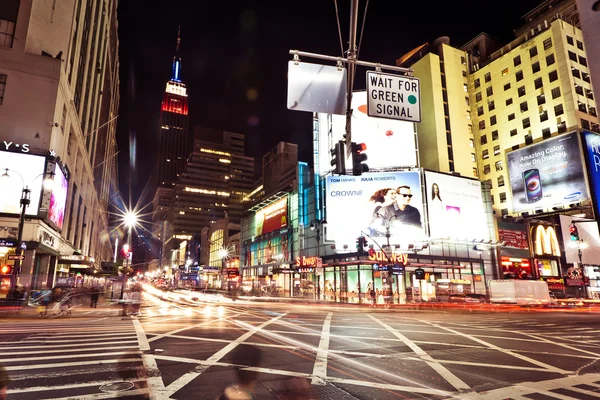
172 144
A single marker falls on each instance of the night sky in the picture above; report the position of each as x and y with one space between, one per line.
231 49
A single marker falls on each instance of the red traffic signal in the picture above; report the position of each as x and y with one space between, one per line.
358 158
6 270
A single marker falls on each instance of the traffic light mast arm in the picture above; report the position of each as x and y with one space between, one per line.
380 248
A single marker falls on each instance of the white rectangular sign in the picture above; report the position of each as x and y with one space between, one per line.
393 96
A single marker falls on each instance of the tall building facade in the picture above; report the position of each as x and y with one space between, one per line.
532 89
173 139
59 95
214 185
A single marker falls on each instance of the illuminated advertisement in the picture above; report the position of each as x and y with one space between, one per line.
390 143
273 250
272 217
455 207
23 170
546 174
375 204
58 198
592 150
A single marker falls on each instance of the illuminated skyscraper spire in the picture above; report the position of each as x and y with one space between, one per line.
176 75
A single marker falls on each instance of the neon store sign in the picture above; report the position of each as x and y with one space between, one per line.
400 258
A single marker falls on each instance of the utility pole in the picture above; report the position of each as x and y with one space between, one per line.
351 71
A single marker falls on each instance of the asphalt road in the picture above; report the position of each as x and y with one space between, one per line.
191 349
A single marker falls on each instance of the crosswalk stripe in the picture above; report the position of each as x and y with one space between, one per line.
88 355
63 387
70 364
62 345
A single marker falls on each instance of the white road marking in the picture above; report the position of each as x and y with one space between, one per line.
87 355
64 387
87 349
379 385
434 364
62 345
70 364
154 377
98 396
188 377
320 367
160 336
549 367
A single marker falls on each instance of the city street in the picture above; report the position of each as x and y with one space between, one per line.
191 349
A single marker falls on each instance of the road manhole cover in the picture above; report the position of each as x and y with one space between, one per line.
116 387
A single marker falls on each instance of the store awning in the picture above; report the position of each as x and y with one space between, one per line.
83 261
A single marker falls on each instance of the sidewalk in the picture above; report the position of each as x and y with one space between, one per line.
77 311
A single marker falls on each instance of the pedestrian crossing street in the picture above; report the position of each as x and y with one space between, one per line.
63 358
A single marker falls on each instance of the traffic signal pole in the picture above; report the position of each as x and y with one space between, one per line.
17 265
351 71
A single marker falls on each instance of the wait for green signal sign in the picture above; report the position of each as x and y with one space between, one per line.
393 97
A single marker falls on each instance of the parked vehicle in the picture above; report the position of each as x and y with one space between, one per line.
481 298
461 298
521 292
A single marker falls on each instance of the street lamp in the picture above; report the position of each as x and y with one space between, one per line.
24 202
130 219
317 225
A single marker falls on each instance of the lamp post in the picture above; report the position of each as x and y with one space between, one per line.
24 203
317 225
387 222
130 220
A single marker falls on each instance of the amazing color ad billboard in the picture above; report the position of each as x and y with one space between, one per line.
592 150
546 174
272 217
390 143
58 198
20 170
373 203
455 207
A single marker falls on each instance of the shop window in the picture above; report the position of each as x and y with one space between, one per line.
547 267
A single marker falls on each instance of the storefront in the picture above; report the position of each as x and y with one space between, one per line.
546 255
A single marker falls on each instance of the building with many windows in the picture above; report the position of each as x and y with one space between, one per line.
59 95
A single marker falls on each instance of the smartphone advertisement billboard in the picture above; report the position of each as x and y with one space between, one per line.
390 143
372 203
546 174
21 170
455 207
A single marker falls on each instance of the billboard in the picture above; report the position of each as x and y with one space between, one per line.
546 174
390 143
23 170
592 150
455 207
272 217
275 249
58 198
371 203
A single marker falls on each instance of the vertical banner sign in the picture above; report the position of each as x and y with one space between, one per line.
393 96
592 146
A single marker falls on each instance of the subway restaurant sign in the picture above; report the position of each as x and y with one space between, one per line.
400 258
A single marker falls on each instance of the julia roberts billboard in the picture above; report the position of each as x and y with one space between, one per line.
455 207
390 143
21 170
272 217
58 197
372 203
547 174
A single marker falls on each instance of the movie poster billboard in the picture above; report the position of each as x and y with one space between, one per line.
372 203
272 217
548 173
390 143
273 250
21 170
455 207
58 198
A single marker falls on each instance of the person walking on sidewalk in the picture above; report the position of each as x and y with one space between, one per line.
4 381
94 294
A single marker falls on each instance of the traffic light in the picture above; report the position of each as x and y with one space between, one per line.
361 244
338 158
419 273
6 270
358 158
574 233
